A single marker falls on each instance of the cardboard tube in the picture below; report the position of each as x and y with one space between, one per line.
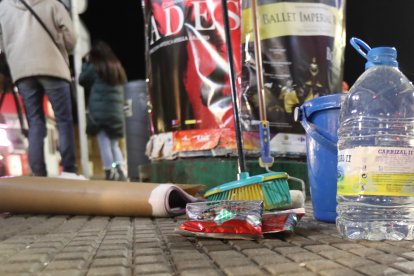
91 197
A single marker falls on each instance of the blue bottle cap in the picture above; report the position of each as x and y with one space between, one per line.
382 56
376 56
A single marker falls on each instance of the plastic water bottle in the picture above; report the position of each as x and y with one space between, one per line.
376 151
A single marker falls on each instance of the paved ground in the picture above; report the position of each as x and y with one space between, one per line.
80 245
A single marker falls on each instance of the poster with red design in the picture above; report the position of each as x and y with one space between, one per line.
187 63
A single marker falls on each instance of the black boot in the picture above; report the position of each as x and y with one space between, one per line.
120 173
109 174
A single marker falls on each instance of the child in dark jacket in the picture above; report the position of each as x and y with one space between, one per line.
104 76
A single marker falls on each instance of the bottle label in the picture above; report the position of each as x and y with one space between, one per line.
384 171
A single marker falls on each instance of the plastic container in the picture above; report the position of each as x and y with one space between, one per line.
320 119
376 151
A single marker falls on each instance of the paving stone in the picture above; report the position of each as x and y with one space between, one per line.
393 272
243 270
182 245
274 243
21 267
241 244
407 267
405 243
302 273
340 272
331 240
188 256
389 248
230 262
354 262
336 254
205 272
408 255
301 241
102 271
321 265
149 259
191 264
41 258
277 269
386 259
216 247
86 249
119 243
147 244
348 246
225 254
151 268
53 244
207 242
303 257
111 262
365 252
72 256
65 272
274 258
120 253
257 252
40 250
159 274
319 248
65 265
374 269
83 243
147 251
290 250
395 249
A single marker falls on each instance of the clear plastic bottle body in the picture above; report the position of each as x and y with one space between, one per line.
377 117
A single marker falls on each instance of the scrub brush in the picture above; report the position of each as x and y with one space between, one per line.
270 187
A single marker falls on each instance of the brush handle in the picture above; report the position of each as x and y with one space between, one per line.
234 95
265 160
258 61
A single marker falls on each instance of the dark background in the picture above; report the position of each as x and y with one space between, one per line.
377 22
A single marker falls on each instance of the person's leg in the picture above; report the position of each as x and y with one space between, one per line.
106 155
105 149
59 94
116 152
32 95
118 159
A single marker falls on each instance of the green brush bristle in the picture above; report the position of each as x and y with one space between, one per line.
275 193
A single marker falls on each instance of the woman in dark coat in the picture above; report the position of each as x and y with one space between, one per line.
104 76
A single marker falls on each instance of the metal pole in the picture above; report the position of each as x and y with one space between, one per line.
80 96
234 94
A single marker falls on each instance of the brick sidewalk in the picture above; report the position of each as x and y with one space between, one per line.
81 245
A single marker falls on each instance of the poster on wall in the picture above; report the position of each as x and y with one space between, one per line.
302 47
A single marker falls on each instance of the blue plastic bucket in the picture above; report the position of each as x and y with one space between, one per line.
320 119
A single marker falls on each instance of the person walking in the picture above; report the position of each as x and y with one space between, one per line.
39 66
104 76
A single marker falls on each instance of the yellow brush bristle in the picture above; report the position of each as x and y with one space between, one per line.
251 192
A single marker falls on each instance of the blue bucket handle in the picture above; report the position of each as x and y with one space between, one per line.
357 44
311 129
314 133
